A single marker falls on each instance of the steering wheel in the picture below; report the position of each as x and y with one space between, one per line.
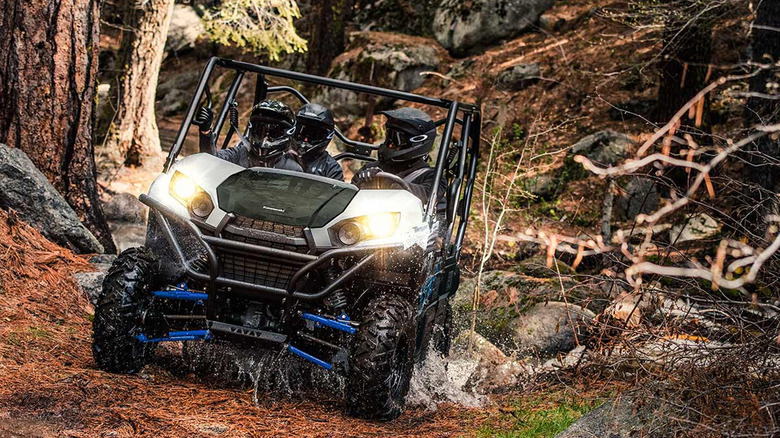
384 180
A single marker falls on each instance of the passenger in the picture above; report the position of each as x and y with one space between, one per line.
409 136
268 142
312 136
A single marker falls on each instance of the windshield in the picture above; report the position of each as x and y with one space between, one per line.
284 197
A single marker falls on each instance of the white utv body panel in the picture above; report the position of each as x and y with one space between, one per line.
208 172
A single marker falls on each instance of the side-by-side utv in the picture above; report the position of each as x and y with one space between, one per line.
354 280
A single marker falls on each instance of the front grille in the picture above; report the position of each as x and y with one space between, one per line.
261 242
273 227
257 270
263 270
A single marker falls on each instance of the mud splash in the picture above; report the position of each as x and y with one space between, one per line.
441 379
276 375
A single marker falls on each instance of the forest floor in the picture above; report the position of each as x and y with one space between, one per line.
50 386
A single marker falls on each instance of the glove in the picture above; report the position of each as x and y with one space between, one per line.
365 177
203 119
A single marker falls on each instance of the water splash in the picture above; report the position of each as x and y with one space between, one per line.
441 379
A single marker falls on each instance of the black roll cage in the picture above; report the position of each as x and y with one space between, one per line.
468 146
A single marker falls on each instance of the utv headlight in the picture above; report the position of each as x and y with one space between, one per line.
375 226
190 195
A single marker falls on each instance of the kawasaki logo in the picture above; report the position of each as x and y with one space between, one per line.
278 210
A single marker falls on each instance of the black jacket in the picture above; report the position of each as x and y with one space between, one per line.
421 186
240 155
323 164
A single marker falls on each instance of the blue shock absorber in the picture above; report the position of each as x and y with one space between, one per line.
342 325
309 357
185 335
181 293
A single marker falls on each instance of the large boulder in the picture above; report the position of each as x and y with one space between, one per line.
382 59
506 298
185 29
624 417
125 207
398 16
26 190
547 329
463 26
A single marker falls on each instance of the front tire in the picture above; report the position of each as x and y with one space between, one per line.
119 312
382 360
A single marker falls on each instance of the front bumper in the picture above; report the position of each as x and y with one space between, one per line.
214 246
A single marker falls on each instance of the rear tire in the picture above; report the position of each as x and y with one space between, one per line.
382 360
119 312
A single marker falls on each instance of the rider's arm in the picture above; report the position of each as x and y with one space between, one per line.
422 187
333 169
236 155
205 144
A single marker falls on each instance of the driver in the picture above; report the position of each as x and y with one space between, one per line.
409 136
312 136
268 141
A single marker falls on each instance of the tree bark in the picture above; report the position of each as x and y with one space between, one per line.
327 33
133 136
48 68
762 167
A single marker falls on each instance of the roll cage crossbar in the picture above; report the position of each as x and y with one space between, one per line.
460 179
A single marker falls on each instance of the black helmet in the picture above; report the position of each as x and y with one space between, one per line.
271 129
315 129
409 136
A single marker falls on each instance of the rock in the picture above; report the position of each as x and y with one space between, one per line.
127 235
503 297
398 16
91 283
102 261
549 328
613 419
571 360
185 29
628 307
125 207
480 347
551 23
174 102
26 190
181 80
463 26
641 197
518 77
697 226
536 266
495 371
605 148
381 59
460 68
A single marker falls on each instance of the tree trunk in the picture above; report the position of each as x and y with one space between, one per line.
327 32
762 167
684 69
133 136
48 66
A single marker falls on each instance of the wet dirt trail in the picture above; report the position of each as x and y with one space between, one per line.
49 385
